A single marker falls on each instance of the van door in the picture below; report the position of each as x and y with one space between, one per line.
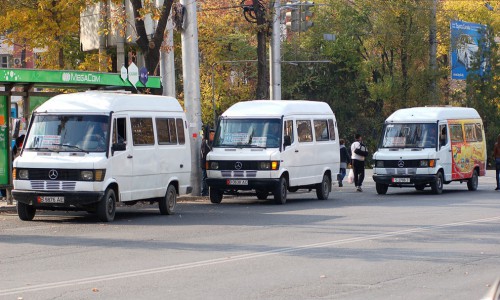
305 152
145 182
121 160
289 158
444 153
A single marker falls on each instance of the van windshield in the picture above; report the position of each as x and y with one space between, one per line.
248 133
409 135
68 133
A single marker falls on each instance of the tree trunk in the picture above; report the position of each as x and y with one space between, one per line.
262 89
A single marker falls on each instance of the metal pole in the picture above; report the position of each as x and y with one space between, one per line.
434 93
167 68
191 80
275 54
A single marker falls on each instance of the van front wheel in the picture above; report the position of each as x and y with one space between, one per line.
381 188
25 212
216 195
473 182
167 203
323 188
437 186
106 208
281 191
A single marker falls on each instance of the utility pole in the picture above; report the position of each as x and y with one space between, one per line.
275 54
191 78
167 68
433 91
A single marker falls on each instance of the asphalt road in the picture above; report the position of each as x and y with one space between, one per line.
403 245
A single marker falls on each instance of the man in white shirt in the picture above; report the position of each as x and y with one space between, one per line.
358 154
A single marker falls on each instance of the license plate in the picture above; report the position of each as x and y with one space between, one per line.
50 199
401 180
237 182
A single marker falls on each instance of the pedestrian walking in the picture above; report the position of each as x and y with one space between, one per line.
496 155
358 155
206 146
344 161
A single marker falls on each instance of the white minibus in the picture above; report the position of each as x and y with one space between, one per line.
274 147
87 151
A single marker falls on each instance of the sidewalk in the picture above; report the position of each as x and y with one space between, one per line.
5 207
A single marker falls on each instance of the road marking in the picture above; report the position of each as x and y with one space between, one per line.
203 263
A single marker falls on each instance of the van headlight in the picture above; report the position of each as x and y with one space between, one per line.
427 163
379 163
213 165
269 165
21 174
92 175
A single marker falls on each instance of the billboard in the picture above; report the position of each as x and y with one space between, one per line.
468 44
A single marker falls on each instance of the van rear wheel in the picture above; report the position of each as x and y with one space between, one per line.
473 182
216 195
25 212
167 204
106 208
323 188
281 191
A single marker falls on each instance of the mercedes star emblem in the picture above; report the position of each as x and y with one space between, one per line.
401 164
238 165
53 174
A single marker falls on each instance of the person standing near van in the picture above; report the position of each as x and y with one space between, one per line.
359 153
344 160
205 148
496 155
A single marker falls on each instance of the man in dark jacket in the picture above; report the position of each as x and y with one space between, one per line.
206 146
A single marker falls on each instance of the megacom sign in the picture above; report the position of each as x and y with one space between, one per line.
468 46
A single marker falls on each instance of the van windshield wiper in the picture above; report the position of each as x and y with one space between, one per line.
71 146
41 149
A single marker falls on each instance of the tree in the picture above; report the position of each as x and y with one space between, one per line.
46 24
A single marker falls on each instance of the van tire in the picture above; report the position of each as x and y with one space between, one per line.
262 195
420 187
437 186
473 182
216 195
167 204
381 188
25 212
106 208
280 192
323 188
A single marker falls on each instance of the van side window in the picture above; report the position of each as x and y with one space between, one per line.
456 133
479 131
142 131
289 130
331 129
470 133
180 131
172 131
120 130
321 130
443 136
304 130
163 131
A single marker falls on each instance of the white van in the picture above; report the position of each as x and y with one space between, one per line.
429 146
87 151
274 146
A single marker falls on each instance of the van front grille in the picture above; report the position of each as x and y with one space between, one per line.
43 185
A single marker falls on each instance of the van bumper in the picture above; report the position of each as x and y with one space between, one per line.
71 199
266 184
414 179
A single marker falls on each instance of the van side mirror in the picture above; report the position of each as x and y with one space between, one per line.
118 147
287 141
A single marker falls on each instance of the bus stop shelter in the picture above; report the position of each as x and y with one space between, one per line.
36 86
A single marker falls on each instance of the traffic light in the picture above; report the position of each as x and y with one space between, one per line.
292 18
306 16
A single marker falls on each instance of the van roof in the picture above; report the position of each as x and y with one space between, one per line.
105 102
277 108
432 114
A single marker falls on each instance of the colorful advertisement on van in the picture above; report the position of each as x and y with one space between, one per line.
468 148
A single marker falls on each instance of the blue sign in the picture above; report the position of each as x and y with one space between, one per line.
143 75
468 44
